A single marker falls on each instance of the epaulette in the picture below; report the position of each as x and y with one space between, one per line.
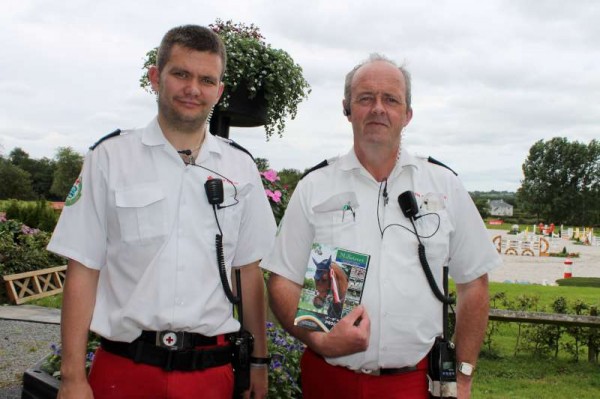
235 145
322 164
108 136
436 162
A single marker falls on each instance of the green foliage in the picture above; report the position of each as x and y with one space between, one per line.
290 178
52 363
483 206
284 370
40 170
529 377
68 166
579 282
258 66
262 164
23 249
39 214
16 183
542 340
562 182
277 194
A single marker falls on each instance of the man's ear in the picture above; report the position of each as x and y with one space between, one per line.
154 76
409 115
221 88
346 109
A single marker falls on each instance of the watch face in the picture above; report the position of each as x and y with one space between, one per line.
465 368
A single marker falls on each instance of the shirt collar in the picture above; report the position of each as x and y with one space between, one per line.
210 145
153 136
405 159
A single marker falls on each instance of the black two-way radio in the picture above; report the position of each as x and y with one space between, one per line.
442 357
242 342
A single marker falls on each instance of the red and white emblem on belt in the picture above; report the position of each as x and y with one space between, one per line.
169 339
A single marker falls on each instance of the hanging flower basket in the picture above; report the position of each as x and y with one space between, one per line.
255 70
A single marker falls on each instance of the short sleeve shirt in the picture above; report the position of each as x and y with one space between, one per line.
141 216
405 315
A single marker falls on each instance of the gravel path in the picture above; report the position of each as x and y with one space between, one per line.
22 344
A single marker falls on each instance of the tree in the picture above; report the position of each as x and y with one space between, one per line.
68 166
16 183
41 171
290 178
262 164
562 182
483 206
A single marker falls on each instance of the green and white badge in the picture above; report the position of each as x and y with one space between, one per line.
75 192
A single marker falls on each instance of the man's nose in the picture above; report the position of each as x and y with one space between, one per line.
378 107
193 88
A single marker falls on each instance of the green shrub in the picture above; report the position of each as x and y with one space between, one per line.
38 214
579 282
23 248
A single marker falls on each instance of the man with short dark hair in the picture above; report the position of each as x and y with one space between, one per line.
380 348
153 227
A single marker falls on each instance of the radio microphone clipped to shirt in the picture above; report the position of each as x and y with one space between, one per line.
408 204
214 191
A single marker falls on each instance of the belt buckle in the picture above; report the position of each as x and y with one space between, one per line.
171 340
375 373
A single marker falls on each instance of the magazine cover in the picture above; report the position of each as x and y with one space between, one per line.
333 286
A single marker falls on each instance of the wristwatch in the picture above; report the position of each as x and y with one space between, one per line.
466 368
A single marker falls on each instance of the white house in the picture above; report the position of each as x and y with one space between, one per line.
500 208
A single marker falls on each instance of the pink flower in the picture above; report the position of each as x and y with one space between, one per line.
270 175
274 195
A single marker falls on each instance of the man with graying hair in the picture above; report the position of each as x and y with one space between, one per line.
153 228
380 349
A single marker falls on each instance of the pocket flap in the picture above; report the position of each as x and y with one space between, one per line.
138 196
337 203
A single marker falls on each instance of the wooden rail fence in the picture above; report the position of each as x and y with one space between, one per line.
23 287
565 320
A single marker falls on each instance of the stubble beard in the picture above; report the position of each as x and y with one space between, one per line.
179 122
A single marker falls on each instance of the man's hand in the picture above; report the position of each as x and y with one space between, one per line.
75 389
350 335
259 383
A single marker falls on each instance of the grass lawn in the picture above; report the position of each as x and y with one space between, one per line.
525 376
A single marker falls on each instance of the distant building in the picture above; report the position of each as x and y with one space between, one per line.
500 208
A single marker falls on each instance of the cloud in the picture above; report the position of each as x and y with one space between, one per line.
489 78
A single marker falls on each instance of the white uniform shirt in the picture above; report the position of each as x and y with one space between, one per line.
405 315
143 220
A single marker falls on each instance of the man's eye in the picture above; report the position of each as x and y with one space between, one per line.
365 99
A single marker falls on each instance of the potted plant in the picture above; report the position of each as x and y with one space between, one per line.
255 70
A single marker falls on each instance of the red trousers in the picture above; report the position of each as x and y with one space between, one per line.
321 380
116 377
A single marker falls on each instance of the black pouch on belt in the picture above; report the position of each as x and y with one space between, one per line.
242 344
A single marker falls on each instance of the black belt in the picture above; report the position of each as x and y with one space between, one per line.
149 348
397 371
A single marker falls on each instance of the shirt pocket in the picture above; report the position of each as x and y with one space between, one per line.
141 213
336 220
231 212
434 229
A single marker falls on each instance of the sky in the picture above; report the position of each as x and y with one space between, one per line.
490 78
